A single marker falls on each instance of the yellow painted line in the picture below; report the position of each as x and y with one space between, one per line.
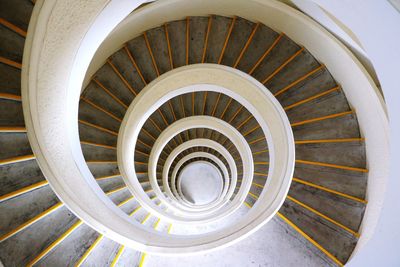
260 152
101 161
299 80
235 114
253 183
257 185
110 94
134 63
99 145
134 211
244 122
171 109
322 215
124 81
116 190
169 228
98 127
47 212
55 243
10 62
226 108
312 241
228 35
171 63
142 259
283 65
16 159
276 41
12 129
118 255
108 177
163 117
204 103
247 204
251 130
31 221
182 106
261 174
187 40
322 118
311 98
317 141
257 140
143 153
138 208
157 223
216 105
206 39
144 255
148 134
331 165
250 193
153 60
10 96
92 247
297 180
146 218
155 124
261 163
244 49
12 27
125 201
101 109
253 195
23 190
89 250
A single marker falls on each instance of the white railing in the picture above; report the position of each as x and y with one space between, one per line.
58 54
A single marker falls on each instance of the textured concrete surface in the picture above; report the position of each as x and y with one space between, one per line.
272 245
275 244
16 211
72 249
18 175
24 247
201 183
104 253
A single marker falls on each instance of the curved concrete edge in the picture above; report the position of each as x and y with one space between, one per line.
55 69
230 186
360 89
212 166
224 173
266 110
227 181
56 56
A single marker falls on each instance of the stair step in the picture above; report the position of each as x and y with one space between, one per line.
12 44
17 13
10 82
11 113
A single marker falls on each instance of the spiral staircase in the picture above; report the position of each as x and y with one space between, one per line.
326 201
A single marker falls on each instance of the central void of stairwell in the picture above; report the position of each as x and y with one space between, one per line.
201 183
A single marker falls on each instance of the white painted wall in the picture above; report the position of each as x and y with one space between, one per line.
377 26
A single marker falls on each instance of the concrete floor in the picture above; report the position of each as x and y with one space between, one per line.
273 245
201 183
